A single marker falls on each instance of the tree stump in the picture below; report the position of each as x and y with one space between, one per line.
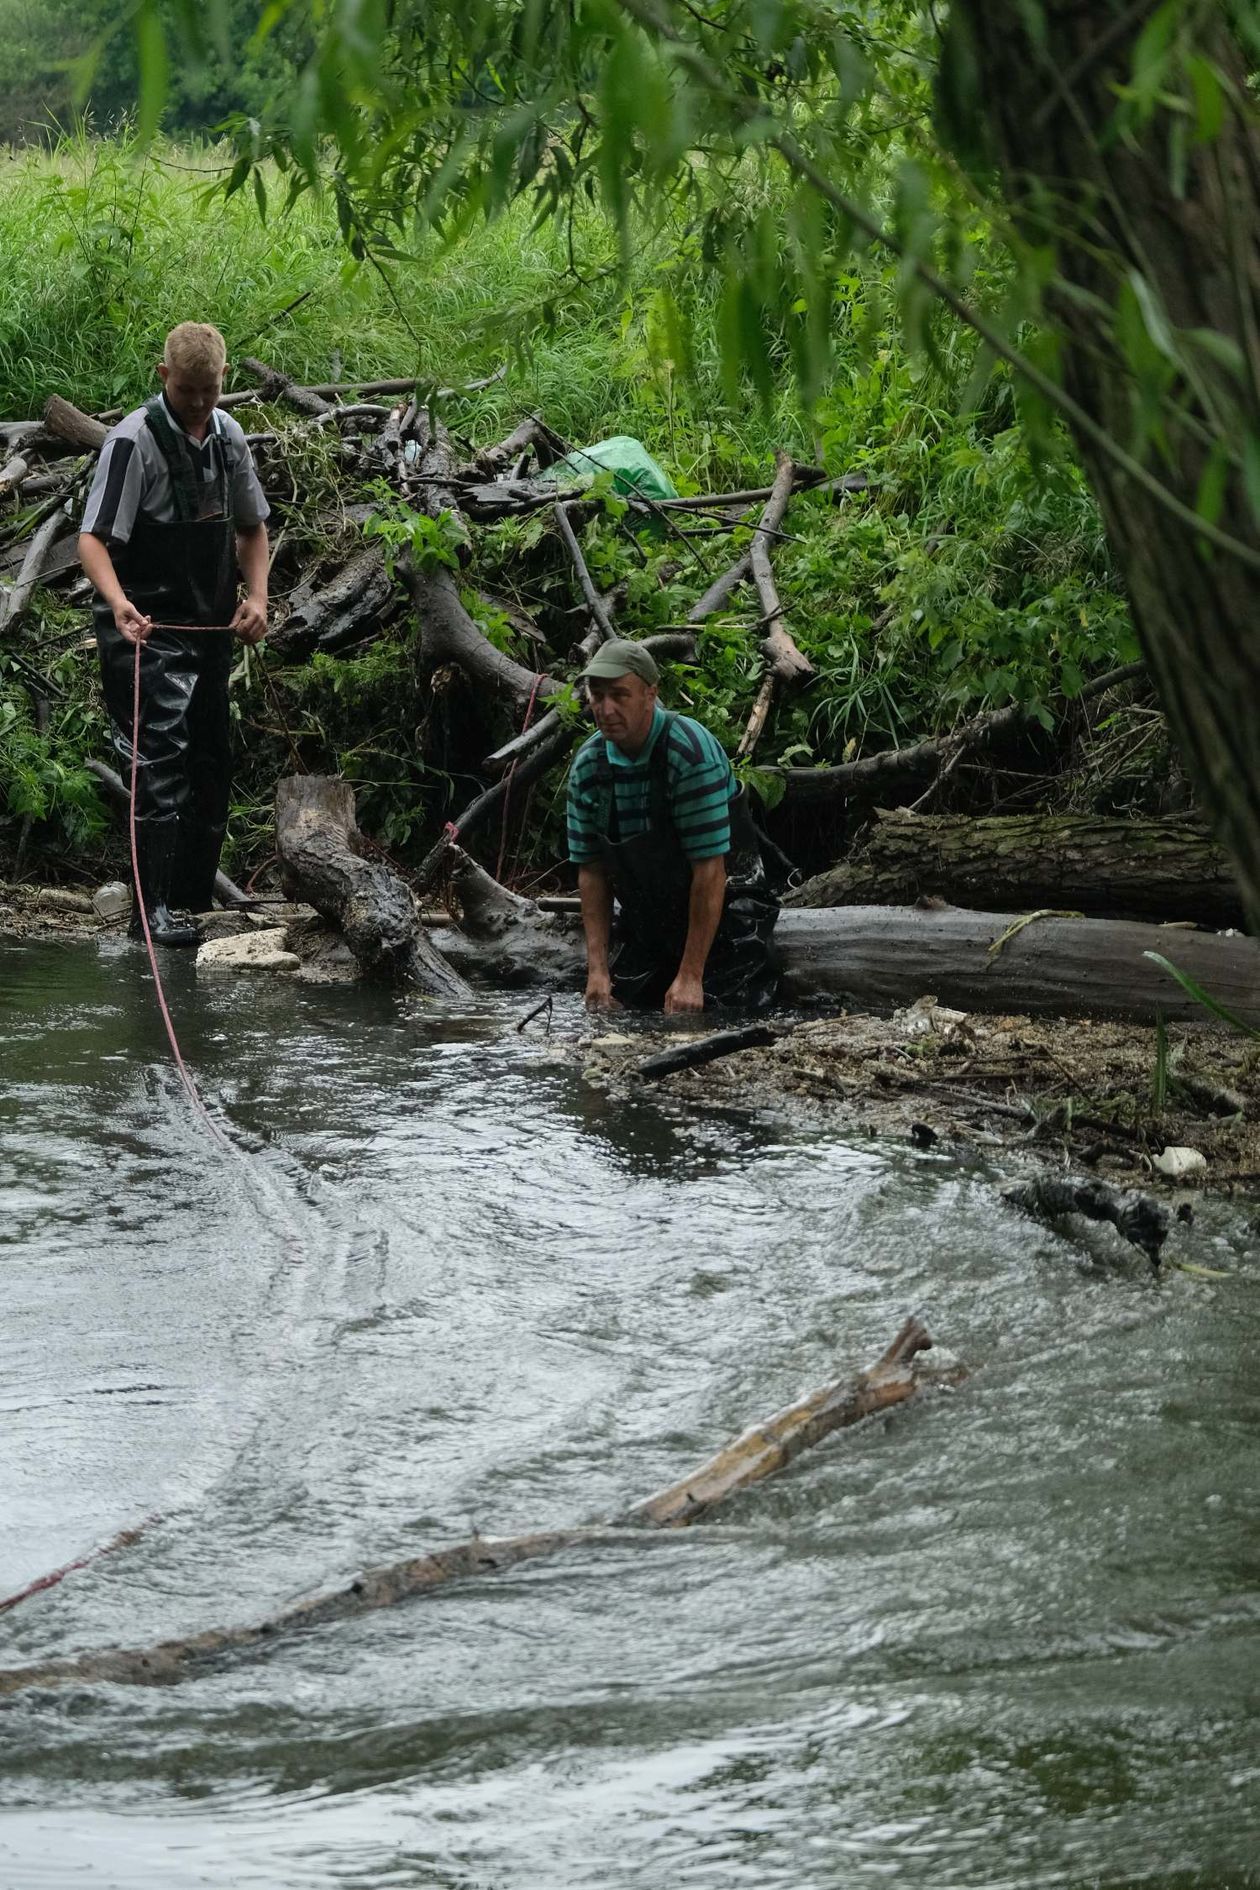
321 857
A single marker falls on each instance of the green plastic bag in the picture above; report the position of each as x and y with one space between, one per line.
628 460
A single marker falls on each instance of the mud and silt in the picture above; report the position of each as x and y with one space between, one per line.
1081 1089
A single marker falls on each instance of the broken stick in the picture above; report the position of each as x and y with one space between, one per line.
755 1454
719 1043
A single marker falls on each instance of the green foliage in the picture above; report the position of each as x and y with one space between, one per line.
42 774
173 61
428 544
972 571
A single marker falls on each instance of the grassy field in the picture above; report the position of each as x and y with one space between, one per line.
971 575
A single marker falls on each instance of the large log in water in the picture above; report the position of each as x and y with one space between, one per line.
1115 868
889 955
755 1454
321 858
1056 966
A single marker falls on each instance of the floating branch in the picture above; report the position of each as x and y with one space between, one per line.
757 1453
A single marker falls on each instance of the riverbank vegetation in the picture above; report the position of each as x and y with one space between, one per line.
971 573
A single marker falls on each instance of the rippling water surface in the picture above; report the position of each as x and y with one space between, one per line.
1006 1638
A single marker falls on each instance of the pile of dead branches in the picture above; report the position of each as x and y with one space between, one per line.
388 447
379 446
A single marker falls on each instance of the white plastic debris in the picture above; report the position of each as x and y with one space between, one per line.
1180 1164
112 900
927 1017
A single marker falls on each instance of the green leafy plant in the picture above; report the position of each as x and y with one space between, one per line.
429 544
1195 990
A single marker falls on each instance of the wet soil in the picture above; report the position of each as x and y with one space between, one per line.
1076 1091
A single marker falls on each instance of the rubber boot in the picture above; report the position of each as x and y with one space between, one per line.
155 850
196 863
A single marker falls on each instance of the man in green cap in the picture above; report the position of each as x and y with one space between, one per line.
657 823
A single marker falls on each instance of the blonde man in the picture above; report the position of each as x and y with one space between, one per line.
175 521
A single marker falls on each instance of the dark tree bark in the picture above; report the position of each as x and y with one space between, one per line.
351 605
319 848
1109 868
1183 215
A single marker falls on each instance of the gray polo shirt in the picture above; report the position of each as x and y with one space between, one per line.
132 475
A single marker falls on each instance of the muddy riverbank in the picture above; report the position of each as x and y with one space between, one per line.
1077 1090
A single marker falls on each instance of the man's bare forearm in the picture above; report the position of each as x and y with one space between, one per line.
704 914
252 553
595 893
99 568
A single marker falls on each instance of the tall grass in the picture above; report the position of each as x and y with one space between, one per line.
104 250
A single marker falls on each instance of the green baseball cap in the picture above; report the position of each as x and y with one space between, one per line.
620 657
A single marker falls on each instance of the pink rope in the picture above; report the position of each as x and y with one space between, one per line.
122 1540
126 1537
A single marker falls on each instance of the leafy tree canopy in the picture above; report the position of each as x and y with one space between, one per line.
441 113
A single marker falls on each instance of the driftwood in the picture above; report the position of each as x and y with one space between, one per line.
14 601
404 384
1056 966
12 473
1127 868
594 602
275 386
756 1454
764 1448
351 605
69 425
701 1050
449 635
532 435
786 668
890 955
1138 1217
319 845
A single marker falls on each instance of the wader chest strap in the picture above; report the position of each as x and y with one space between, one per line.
188 489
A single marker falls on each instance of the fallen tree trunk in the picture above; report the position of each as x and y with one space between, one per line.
749 1458
1115 868
888 955
318 846
1055 966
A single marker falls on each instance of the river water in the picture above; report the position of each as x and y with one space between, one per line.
1007 1637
